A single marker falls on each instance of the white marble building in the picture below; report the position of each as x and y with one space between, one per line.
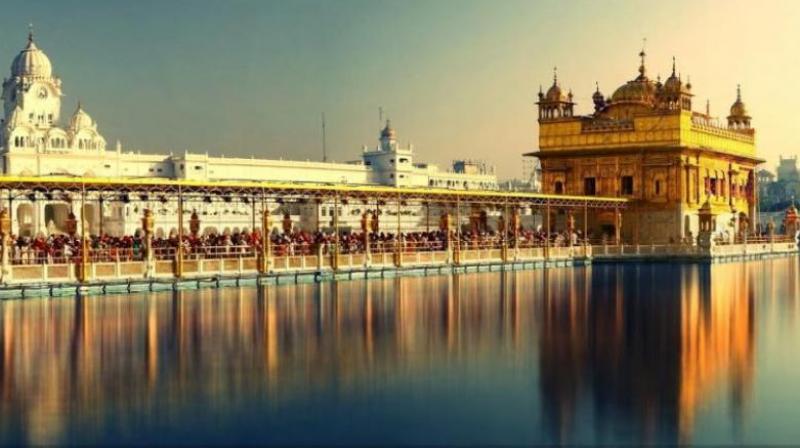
36 141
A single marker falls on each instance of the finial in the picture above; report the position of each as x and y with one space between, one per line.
555 76
79 104
30 33
540 89
642 55
673 66
597 87
708 108
738 92
688 82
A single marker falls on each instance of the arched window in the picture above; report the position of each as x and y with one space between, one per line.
559 187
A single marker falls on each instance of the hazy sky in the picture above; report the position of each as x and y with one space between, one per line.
458 78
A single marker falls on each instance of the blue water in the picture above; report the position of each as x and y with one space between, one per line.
651 353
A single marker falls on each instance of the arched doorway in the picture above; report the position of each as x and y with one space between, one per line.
26 219
55 217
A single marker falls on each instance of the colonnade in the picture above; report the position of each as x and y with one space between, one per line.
458 214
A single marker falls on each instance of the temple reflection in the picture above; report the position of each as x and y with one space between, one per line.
645 352
636 348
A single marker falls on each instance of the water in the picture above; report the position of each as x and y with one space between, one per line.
662 353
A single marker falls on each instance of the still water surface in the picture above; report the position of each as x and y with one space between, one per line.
662 353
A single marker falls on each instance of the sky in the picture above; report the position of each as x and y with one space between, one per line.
457 78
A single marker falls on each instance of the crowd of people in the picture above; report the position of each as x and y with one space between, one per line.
63 248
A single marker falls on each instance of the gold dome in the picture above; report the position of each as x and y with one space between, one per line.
640 90
554 93
636 91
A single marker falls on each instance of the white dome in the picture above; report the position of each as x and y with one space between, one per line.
31 61
81 120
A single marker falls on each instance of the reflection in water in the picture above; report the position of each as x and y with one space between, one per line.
619 352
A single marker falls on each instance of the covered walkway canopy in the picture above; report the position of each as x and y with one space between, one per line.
128 189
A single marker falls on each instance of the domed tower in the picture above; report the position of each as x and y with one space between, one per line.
675 95
388 138
83 133
554 104
598 99
738 118
33 87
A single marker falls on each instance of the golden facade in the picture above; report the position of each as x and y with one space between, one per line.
646 143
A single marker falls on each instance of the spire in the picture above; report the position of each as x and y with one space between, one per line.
597 87
642 55
738 92
673 66
30 33
555 76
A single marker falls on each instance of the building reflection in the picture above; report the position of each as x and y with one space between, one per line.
651 346
633 348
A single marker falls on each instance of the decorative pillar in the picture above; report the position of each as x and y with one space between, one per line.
5 234
148 223
100 218
83 266
457 252
398 253
515 226
570 226
265 255
547 232
586 223
444 226
335 251
366 229
618 226
503 227
178 268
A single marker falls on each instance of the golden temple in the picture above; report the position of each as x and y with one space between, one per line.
645 143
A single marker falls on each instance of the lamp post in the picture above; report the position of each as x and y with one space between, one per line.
148 223
5 233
